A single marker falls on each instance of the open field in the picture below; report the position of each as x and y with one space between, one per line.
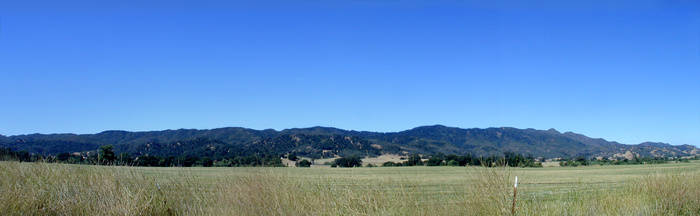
54 189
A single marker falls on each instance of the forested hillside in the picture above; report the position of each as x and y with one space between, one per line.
323 142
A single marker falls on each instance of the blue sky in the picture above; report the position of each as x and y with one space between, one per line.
624 71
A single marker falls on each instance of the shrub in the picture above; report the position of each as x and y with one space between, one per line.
352 161
292 156
434 161
414 160
452 163
303 163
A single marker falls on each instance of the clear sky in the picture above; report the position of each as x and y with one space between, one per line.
624 71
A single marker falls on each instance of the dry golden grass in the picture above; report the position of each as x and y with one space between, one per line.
57 189
378 161
54 189
671 193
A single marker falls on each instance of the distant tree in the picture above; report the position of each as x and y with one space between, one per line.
23 156
124 159
272 161
512 158
75 159
292 156
7 154
92 158
460 160
440 156
569 162
476 161
492 161
147 160
205 162
223 163
186 161
303 163
106 154
583 161
517 160
389 164
414 160
434 161
64 157
37 157
451 157
351 161
452 163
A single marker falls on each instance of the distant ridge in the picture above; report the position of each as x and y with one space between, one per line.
328 141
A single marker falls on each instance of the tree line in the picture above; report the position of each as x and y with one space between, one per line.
199 151
508 158
106 156
583 161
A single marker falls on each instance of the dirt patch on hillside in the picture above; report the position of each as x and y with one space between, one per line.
382 159
378 161
629 155
324 160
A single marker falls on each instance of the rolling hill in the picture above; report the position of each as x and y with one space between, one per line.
319 142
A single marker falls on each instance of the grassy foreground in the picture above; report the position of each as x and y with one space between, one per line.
60 189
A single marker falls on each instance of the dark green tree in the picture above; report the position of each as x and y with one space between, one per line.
124 159
583 161
106 154
434 161
452 163
389 164
63 157
292 156
205 162
414 160
147 160
303 163
23 156
352 161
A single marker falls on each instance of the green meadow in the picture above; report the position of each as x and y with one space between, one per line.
63 189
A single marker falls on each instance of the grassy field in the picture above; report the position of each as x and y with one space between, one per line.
58 189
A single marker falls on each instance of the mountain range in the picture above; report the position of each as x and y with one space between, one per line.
318 142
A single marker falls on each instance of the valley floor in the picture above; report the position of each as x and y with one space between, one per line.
54 189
